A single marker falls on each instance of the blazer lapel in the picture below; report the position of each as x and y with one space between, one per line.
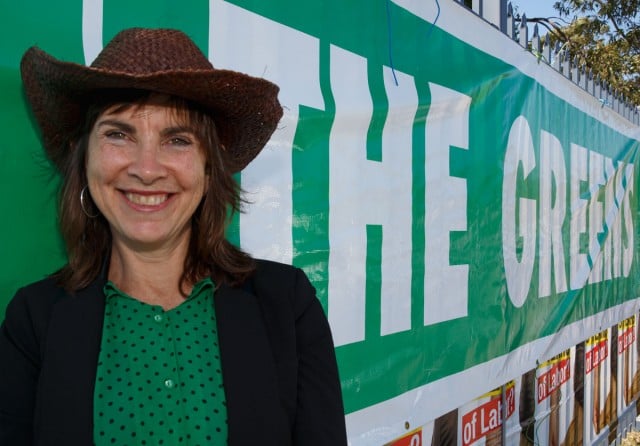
249 372
68 377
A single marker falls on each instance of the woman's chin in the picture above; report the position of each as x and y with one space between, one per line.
145 241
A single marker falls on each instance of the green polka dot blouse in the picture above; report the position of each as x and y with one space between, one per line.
159 380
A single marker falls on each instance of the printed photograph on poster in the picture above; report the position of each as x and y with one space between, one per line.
555 413
627 363
636 354
598 398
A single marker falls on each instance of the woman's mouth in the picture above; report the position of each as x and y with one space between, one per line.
146 199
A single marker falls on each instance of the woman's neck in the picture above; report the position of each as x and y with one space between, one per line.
151 276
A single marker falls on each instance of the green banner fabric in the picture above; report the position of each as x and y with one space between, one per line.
463 210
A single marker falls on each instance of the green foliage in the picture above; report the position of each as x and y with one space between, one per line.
604 35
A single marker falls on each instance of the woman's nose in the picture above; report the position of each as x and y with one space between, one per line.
146 164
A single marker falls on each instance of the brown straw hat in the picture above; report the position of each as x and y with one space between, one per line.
246 109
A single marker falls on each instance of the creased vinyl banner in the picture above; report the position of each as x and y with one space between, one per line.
464 211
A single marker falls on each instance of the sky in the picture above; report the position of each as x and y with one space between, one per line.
536 8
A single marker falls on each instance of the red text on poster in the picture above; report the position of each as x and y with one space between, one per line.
548 382
413 438
483 420
596 355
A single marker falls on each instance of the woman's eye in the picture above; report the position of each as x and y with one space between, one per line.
180 141
115 134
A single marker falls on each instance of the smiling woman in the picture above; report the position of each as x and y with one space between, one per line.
158 327
146 174
136 149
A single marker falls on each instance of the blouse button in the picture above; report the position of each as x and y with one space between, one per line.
168 383
157 318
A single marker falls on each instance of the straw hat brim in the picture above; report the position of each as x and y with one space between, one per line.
245 108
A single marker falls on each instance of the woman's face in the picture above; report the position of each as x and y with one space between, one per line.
146 174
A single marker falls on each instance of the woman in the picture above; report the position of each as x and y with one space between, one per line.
158 331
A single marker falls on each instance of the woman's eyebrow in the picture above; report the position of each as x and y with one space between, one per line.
117 124
177 129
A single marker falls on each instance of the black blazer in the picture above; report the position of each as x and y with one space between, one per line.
278 363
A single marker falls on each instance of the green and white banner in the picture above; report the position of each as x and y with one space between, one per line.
464 211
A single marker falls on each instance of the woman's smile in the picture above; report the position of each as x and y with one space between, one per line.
147 198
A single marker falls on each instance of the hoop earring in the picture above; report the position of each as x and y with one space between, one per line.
83 205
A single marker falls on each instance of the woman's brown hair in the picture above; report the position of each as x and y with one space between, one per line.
88 238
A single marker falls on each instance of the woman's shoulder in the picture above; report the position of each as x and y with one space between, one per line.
268 268
281 283
43 290
29 311
36 299
269 272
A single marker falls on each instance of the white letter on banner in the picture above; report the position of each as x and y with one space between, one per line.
396 215
446 287
518 273
579 265
596 214
365 192
627 253
610 217
552 212
247 42
91 29
616 226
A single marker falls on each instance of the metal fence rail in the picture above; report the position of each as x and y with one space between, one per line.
500 14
